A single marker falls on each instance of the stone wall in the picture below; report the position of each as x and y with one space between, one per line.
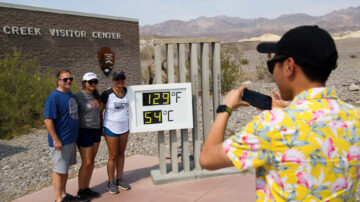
33 31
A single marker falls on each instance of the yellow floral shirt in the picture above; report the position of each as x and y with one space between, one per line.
308 151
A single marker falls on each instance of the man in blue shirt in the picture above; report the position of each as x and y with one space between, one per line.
62 122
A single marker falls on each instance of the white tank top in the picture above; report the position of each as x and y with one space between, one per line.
116 117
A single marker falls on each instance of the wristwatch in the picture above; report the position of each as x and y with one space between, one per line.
223 108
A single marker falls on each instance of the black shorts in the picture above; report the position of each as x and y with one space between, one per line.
87 137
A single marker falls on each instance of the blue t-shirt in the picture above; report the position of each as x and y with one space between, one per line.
62 108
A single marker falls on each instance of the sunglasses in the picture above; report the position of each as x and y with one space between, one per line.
93 82
271 63
66 79
119 79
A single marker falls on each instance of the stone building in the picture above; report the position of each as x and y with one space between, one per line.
81 42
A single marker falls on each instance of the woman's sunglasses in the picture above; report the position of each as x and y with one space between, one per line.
119 79
66 79
93 82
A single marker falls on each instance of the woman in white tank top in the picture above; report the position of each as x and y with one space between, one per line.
116 128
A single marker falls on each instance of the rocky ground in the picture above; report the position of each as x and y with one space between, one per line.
25 165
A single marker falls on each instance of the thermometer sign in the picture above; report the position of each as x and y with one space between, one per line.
160 107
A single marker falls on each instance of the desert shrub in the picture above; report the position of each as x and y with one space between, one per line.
23 91
352 56
262 72
244 61
231 72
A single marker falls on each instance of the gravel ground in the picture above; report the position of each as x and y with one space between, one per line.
25 165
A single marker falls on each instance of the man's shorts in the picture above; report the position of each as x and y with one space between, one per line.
63 159
87 137
109 133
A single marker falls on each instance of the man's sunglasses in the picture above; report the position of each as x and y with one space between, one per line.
66 79
271 63
93 82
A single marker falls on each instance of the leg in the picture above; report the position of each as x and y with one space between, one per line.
112 143
64 178
62 160
59 192
88 161
59 182
87 166
121 156
95 149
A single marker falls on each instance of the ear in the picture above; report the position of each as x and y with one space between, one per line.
290 67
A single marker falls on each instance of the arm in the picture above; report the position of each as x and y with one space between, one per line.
213 155
103 98
51 129
102 111
102 108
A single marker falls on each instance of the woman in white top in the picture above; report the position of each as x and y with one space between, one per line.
116 128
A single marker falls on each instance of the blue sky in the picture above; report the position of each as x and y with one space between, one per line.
157 11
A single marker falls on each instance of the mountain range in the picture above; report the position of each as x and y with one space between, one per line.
236 28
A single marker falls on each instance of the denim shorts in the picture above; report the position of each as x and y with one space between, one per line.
88 136
63 159
109 133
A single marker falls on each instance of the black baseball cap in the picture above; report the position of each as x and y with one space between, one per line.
119 74
308 45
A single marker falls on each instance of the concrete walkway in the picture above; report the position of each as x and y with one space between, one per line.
239 187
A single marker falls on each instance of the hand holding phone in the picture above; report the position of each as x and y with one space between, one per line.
257 99
232 98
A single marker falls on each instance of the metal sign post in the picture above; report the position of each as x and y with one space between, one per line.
190 170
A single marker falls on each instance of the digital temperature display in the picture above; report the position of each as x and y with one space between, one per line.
160 107
151 117
156 98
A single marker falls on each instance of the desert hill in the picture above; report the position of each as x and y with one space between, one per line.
235 28
274 37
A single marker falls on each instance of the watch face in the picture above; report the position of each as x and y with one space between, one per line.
221 108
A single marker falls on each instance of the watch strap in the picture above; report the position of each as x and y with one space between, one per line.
223 108
229 110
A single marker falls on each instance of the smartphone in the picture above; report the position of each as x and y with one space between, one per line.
257 99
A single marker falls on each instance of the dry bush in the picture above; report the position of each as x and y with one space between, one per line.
353 56
23 92
231 71
244 61
262 72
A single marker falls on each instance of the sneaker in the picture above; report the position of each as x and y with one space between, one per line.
92 193
83 195
112 188
69 198
122 185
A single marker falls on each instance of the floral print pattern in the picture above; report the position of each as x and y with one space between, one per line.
308 151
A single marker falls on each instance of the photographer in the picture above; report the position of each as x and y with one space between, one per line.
308 150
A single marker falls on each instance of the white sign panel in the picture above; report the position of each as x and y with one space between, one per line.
160 107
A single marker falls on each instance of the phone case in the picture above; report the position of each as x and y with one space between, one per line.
257 99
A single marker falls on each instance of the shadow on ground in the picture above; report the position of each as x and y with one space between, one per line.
130 176
7 150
